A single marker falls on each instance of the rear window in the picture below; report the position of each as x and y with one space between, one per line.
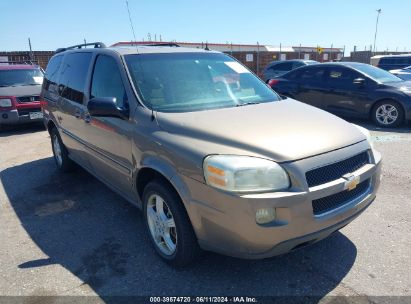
51 71
26 77
73 74
284 66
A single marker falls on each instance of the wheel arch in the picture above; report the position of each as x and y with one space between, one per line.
50 125
156 168
376 102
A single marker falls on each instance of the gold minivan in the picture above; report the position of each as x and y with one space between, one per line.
214 157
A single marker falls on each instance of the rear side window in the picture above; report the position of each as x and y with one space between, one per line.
73 76
52 71
311 74
107 80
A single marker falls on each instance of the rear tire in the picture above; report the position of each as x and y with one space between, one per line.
63 162
387 114
168 224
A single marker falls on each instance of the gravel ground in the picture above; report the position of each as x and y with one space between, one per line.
70 235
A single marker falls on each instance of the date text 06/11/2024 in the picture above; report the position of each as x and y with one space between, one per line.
237 299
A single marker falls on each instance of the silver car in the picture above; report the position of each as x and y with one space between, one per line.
214 158
404 73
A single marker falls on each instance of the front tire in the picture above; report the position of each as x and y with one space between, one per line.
60 153
388 113
168 224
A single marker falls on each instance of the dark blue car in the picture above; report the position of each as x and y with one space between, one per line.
350 89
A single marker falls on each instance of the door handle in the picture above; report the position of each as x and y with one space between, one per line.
77 114
87 117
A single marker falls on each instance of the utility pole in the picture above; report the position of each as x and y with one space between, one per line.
331 53
31 51
279 55
258 58
376 28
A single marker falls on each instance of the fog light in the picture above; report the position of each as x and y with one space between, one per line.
5 116
265 215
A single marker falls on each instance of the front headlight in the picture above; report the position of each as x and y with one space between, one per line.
244 174
366 133
5 102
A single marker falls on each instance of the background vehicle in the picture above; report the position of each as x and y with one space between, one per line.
350 89
391 62
188 135
278 68
404 73
20 87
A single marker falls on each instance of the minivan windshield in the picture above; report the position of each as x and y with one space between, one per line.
20 77
377 74
184 82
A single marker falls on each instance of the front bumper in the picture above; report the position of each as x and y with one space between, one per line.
225 222
14 117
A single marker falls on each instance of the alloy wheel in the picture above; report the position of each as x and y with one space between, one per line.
57 151
386 114
161 224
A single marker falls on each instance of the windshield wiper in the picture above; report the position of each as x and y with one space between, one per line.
246 104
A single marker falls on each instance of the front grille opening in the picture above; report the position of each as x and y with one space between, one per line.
334 171
336 200
31 98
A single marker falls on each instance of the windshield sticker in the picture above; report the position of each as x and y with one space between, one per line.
236 67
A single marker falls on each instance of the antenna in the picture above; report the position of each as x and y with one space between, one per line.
131 22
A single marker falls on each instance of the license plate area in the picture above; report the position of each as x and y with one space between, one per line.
36 115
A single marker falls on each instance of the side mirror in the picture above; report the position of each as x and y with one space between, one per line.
106 107
359 81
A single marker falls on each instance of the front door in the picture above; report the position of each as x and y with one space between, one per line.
109 138
344 96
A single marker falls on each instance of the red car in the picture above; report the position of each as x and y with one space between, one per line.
20 87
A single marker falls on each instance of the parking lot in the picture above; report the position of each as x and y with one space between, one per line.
71 235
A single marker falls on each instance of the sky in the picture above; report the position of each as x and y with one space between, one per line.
51 24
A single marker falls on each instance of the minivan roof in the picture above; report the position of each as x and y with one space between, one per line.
126 50
144 49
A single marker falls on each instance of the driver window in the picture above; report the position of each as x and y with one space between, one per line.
342 76
107 80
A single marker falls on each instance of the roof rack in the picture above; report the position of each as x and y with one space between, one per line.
29 62
170 44
79 46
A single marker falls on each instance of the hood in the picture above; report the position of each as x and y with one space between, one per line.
283 131
20 90
399 84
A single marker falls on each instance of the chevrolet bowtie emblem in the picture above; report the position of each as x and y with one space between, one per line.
352 181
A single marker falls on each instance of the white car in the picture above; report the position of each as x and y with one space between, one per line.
404 73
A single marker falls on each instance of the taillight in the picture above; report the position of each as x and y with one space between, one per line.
273 82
